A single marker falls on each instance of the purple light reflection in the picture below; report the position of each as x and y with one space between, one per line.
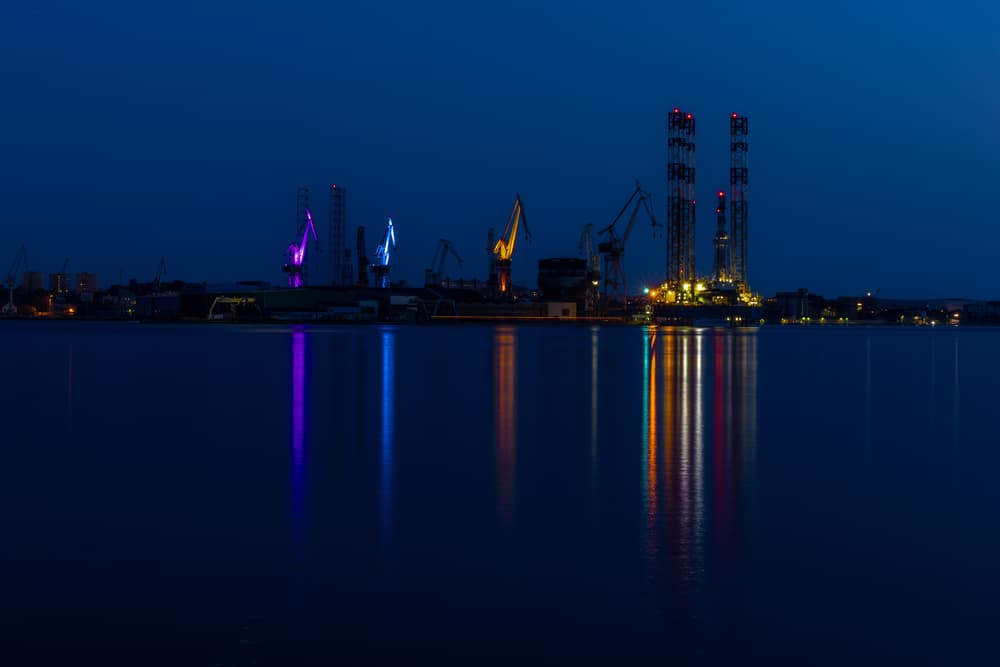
298 435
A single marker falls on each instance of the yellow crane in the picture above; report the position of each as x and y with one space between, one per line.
503 249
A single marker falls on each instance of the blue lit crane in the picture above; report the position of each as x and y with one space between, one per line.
20 259
384 253
435 273
503 249
613 248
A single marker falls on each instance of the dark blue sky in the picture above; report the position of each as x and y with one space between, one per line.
132 131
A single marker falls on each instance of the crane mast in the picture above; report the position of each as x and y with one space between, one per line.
384 253
613 248
503 249
435 273
297 253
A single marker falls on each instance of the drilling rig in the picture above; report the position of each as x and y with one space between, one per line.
383 256
434 275
297 253
503 250
613 248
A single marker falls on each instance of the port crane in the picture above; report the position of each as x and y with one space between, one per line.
362 259
593 267
161 270
297 253
384 252
503 250
20 259
613 247
435 273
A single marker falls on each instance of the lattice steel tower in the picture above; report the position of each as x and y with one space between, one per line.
720 267
680 198
337 235
738 181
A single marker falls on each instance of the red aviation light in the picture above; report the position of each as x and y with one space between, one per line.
690 116
722 194
676 110
734 114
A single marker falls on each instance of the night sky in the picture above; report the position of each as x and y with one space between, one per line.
133 130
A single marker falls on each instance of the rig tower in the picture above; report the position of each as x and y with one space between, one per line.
720 267
337 235
680 202
738 181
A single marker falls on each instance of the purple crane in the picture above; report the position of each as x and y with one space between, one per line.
297 253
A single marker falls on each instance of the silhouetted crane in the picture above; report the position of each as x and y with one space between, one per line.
613 249
20 259
161 270
435 273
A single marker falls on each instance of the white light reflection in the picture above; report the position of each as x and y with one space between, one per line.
698 473
69 390
868 392
954 408
594 357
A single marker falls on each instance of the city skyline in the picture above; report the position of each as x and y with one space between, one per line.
866 163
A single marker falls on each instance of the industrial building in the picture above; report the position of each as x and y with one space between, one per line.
339 255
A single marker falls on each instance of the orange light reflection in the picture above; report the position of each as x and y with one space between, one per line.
505 408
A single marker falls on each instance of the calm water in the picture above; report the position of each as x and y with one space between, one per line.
231 495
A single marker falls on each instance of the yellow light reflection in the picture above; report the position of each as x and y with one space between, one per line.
649 458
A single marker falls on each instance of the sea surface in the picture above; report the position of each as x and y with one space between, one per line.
236 495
